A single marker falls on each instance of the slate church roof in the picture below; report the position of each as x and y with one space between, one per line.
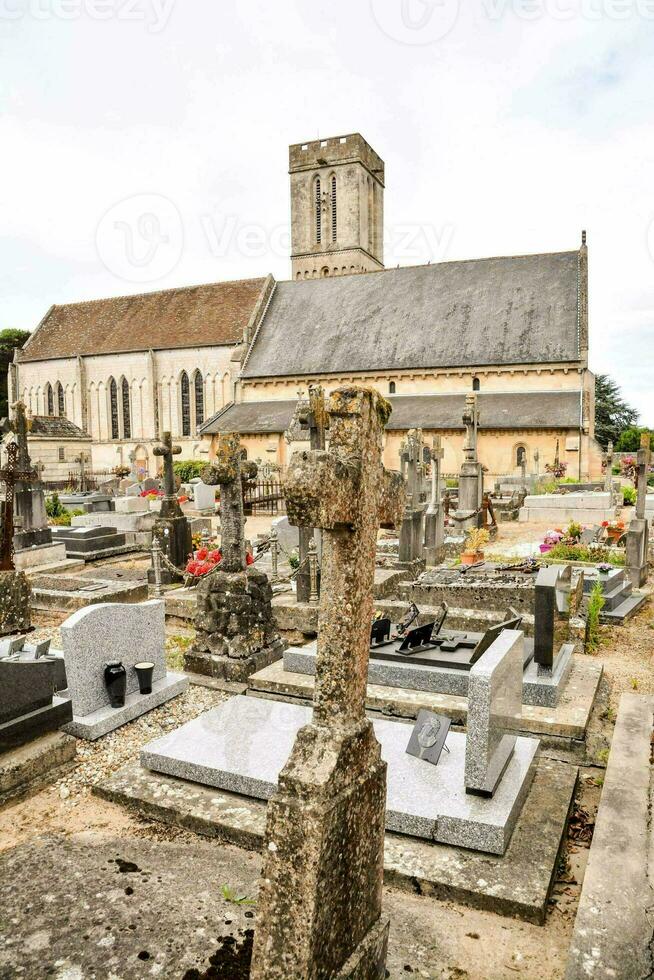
55 427
515 310
194 316
498 410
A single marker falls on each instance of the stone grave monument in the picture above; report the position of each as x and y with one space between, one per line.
471 477
109 633
171 527
309 424
28 705
25 518
434 518
235 630
471 799
413 456
637 563
557 602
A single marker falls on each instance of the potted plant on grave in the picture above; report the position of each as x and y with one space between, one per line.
473 549
551 539
614 530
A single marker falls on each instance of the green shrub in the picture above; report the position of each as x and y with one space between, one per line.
189 469
629 495
54 506
581 552
451 483
596 603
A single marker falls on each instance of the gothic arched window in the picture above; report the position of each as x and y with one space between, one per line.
113 401
186 404
198 386
127 419
61 399
318 207
334 208
520 456
49 400
476 384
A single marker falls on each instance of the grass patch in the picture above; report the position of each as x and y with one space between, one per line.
176 647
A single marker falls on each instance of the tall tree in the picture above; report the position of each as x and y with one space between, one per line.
612 413
10 339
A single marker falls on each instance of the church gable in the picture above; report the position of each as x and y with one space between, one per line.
216 314
513 310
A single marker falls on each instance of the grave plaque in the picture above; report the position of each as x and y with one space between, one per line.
428 736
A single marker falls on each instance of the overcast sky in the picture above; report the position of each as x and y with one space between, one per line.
144 143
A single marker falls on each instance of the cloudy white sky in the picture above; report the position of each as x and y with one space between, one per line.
144 142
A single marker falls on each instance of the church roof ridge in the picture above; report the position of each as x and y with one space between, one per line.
201 315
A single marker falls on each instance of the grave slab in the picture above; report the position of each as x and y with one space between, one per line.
517 884
242 745
567 721
67 593
537 689
30 767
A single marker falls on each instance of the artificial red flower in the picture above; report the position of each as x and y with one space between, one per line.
201 554
249 560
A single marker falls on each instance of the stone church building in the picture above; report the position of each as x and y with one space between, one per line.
232 356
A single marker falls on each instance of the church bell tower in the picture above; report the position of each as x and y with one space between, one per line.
337 207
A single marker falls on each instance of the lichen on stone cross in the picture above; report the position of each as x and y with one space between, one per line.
229 470
167 451
325 823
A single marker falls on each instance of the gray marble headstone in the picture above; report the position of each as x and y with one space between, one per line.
288 536
494 710
95 635
204 496
150 484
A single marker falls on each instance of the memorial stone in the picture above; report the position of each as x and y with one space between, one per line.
28 705
235 630
494 711
637 545
435 516
107 632
471 478
171 527
325 823
413 455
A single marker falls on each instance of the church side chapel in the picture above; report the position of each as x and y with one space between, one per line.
312 664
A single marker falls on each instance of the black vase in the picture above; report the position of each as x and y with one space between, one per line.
144 674
115 679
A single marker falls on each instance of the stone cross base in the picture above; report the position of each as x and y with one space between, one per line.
325 825
236 634
637 552
15 608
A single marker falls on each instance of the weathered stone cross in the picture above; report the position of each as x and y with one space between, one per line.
10 475
434 527
167 451
82 460
607 460
637 543
320 896
228 471
311 416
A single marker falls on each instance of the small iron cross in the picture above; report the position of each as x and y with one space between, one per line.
167 451
10 475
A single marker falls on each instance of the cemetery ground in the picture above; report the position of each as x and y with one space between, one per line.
89 890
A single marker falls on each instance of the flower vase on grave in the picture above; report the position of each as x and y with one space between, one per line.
144 674
115 679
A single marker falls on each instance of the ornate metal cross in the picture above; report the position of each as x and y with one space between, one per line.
10 475
167 451
229 470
